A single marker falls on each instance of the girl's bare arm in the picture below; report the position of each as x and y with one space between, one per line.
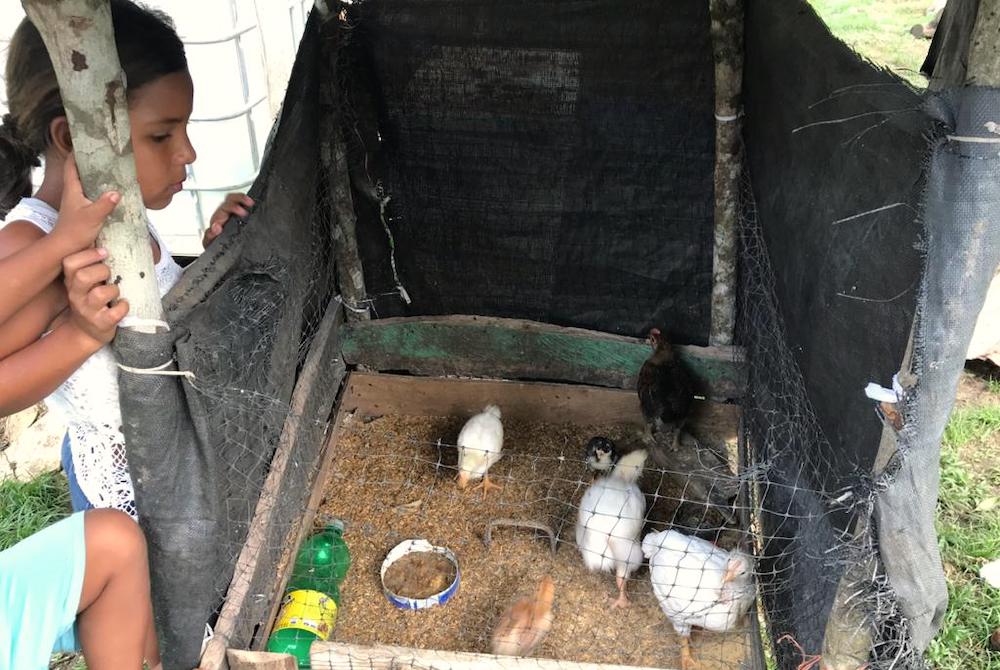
30 260
34 265
34 371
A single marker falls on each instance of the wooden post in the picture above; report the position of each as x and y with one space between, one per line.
259 660
968 45
984 48
79 37
333 158
727 45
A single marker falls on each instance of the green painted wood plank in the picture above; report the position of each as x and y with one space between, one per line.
514 349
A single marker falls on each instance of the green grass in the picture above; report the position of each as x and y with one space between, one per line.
968 525
993 384
977 423
879 30
27 507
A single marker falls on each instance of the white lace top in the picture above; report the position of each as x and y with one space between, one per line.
88 400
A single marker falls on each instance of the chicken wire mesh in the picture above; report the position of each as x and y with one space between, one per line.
257 323
555 515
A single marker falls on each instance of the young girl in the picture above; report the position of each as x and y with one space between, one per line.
82 581
71 366
94 591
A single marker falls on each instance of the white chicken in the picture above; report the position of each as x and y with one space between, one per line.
479 446
609 522
698 584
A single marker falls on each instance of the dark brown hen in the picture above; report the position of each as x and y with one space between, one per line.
665 388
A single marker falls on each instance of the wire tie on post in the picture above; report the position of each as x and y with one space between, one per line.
139 322
353 308
159 371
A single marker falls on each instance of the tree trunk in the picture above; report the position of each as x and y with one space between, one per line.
727 45
333 160
80 40
984 51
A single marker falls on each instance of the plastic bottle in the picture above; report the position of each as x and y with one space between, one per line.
305 616
322 562
309 609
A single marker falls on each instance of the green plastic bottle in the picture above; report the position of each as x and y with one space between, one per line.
293 641
309 610
322 562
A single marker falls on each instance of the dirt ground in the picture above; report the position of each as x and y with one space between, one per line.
392 482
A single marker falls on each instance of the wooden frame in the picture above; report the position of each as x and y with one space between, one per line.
260 660
473 346
433 347
340 656
374 394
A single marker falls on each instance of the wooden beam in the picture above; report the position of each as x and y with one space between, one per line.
323 369
341 656
259 660
80 39
304 524
514 349
727 45
371 394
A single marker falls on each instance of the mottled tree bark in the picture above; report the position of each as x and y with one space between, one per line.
984 50
727 45
80 40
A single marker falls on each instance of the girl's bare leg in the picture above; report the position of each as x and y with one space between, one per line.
115 619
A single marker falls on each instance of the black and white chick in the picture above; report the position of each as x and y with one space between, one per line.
601 453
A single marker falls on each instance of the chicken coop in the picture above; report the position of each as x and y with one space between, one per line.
473 203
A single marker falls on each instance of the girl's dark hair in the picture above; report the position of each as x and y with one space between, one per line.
148 48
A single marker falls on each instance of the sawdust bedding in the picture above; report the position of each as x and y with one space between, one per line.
392 481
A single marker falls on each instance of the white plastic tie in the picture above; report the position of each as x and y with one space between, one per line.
727 118
883 394
159 371
973 140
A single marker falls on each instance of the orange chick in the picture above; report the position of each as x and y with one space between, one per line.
523 627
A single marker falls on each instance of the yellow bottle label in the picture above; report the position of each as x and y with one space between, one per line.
310 611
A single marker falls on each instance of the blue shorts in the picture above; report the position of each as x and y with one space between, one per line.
41 580
76 495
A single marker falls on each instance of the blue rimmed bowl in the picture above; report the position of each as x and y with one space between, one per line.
413 547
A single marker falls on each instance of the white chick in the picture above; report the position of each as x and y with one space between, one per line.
479 447
698 584
991 573
611 515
